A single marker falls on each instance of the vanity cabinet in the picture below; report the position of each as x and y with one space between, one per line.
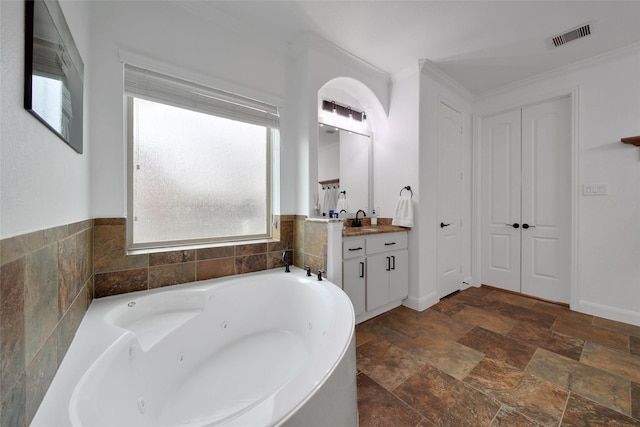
387 269
375 272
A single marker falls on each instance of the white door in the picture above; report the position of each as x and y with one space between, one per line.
449 200
546 195
526 183
501 147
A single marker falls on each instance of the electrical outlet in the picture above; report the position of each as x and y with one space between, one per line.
601 189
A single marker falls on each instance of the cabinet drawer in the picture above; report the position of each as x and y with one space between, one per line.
386 242
352 248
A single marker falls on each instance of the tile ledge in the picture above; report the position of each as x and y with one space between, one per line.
144 251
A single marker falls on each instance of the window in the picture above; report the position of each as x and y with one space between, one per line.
199 161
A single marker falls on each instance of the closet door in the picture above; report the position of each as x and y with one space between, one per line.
546 195
501 152
526 200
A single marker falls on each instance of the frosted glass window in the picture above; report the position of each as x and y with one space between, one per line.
196 177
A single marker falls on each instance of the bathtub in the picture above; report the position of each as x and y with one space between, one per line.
259 349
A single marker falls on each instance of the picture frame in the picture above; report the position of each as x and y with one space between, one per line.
54 72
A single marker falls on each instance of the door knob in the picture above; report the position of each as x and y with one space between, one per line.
514 225
525 226
443 225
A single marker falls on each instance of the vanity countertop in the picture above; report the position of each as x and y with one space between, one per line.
371 229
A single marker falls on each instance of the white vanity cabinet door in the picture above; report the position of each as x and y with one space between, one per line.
387 269
354 283
399 275
377 281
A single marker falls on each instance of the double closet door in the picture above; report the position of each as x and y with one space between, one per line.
526 200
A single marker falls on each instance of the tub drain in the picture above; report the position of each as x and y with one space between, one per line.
141 406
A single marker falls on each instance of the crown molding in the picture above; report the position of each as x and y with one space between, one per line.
575 66
310 40
429 68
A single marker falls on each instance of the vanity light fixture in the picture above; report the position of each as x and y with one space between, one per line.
343 110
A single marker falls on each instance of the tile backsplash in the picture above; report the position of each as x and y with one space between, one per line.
310 243
115 272
46 285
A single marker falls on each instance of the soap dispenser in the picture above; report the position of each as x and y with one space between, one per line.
374 216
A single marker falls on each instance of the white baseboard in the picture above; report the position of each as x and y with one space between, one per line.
609 312
422 303
378 311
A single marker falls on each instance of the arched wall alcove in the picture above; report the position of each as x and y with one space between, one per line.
350 92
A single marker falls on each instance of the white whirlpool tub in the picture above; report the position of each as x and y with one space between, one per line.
260 349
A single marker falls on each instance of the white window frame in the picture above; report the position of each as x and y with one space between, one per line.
217 103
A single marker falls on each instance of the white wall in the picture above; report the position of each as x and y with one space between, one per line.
396 165
43 182
316 62
435 87
174 36
608 252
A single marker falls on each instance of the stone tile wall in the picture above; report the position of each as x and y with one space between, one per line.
310 243
45 288
115 272
48 279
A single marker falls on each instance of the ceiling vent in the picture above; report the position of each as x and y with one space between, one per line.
571 35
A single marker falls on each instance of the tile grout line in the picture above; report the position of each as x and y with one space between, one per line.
566 403
395 395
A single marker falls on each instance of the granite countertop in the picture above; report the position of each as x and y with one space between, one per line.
371 229
384 226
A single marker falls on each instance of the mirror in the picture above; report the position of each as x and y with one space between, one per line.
344 171
53 72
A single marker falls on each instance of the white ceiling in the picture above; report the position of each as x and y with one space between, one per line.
481 44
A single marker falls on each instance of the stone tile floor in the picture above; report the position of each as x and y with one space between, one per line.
483 357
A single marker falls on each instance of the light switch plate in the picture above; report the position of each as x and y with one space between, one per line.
600 189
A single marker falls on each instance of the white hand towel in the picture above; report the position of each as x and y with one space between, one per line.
404 212
342 204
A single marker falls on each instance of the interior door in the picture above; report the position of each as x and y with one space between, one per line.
526 193
501 192
546 195
449 200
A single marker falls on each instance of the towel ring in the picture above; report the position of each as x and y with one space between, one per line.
408 187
